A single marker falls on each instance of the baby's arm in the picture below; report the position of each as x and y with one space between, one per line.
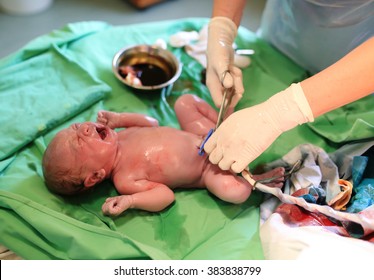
152 200
119 120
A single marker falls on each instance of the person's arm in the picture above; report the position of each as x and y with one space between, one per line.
222 31
230 9
247 133
347 80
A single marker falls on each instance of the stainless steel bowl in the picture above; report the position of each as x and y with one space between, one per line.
156 68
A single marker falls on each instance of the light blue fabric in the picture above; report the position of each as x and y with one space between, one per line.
363 188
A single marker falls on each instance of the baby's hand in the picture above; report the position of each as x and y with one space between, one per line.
107 118
114 206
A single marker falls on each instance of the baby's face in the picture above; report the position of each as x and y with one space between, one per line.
87 146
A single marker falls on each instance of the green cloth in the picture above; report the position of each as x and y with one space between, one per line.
64 77
40 92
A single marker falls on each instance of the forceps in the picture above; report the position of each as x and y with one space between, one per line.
226 100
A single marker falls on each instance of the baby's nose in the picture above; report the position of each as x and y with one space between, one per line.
85 129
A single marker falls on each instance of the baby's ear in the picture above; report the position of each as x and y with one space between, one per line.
94 178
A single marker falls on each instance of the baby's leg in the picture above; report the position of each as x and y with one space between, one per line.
226 185
235 189
195 115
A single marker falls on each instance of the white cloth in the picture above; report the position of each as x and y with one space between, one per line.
195 44
282 242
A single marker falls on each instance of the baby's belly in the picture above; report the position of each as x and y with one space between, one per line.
169 157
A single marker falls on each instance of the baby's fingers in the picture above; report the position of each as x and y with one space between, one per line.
101 118
110 207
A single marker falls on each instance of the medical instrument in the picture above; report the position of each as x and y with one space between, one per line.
201 149
244 52
151 68
226 100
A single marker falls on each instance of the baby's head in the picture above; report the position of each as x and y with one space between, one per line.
79 157
59 174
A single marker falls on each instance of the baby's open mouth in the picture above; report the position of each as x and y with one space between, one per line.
102 132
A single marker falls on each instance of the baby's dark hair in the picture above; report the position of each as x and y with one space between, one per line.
61 182
59 178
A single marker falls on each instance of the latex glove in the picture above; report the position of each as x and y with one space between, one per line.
247 133
220 58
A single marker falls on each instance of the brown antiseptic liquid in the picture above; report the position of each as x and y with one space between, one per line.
150 74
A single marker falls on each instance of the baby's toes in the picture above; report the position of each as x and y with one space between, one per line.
277 184
276 172
279 171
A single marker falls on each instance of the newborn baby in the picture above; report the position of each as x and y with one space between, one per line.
144 161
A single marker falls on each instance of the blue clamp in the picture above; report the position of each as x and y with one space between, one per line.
201 150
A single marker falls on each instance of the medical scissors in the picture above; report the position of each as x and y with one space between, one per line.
226 100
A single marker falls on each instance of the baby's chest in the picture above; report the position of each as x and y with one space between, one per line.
154 161
159 164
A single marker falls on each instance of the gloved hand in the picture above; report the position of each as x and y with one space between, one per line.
245 134
220 58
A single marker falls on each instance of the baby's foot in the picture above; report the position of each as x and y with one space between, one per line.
114 206
277 172
107 118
